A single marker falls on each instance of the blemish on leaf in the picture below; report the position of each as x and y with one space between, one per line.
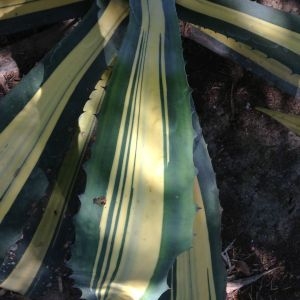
198 208
100 200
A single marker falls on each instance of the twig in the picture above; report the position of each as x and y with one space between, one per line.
239 283
226 257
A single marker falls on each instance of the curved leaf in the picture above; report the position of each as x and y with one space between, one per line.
290 121
28 267
17 15
24 138
37 248
273 32
137 210
253 60
199 273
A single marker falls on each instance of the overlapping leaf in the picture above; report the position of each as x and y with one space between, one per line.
44 112
199 272
137 210
273 32
254 60
17 15
290 121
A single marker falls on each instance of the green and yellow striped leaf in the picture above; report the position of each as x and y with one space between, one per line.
137 210
20 15
17 15
292 122
47 108
24 138
268 30
194 274
254 60
199 273
30 270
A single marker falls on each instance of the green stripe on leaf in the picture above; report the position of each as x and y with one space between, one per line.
20 15
148 211
28 133
273 35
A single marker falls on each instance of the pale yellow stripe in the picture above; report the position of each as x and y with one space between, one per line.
273 66
21 145
10 9
146 165
192 265
282 36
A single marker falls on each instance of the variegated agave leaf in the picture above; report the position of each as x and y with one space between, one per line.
290 121
140 178
51 234
54 96
253 60
199 273
272 37
137 210
17 15
271 31
25 130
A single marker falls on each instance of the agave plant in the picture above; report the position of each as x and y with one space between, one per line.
148 226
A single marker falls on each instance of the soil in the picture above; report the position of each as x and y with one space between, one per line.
256 160
257 165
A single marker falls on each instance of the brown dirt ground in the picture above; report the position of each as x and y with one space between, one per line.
256 160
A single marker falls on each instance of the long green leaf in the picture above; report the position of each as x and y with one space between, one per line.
18 15
89 62
252 59
137 210
199 273
28 267
28 273
194 274
290 121
24 138
139 143
273 32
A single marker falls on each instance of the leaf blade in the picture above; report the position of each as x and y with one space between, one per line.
133 164
39 116
290 121
260 27
20 15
